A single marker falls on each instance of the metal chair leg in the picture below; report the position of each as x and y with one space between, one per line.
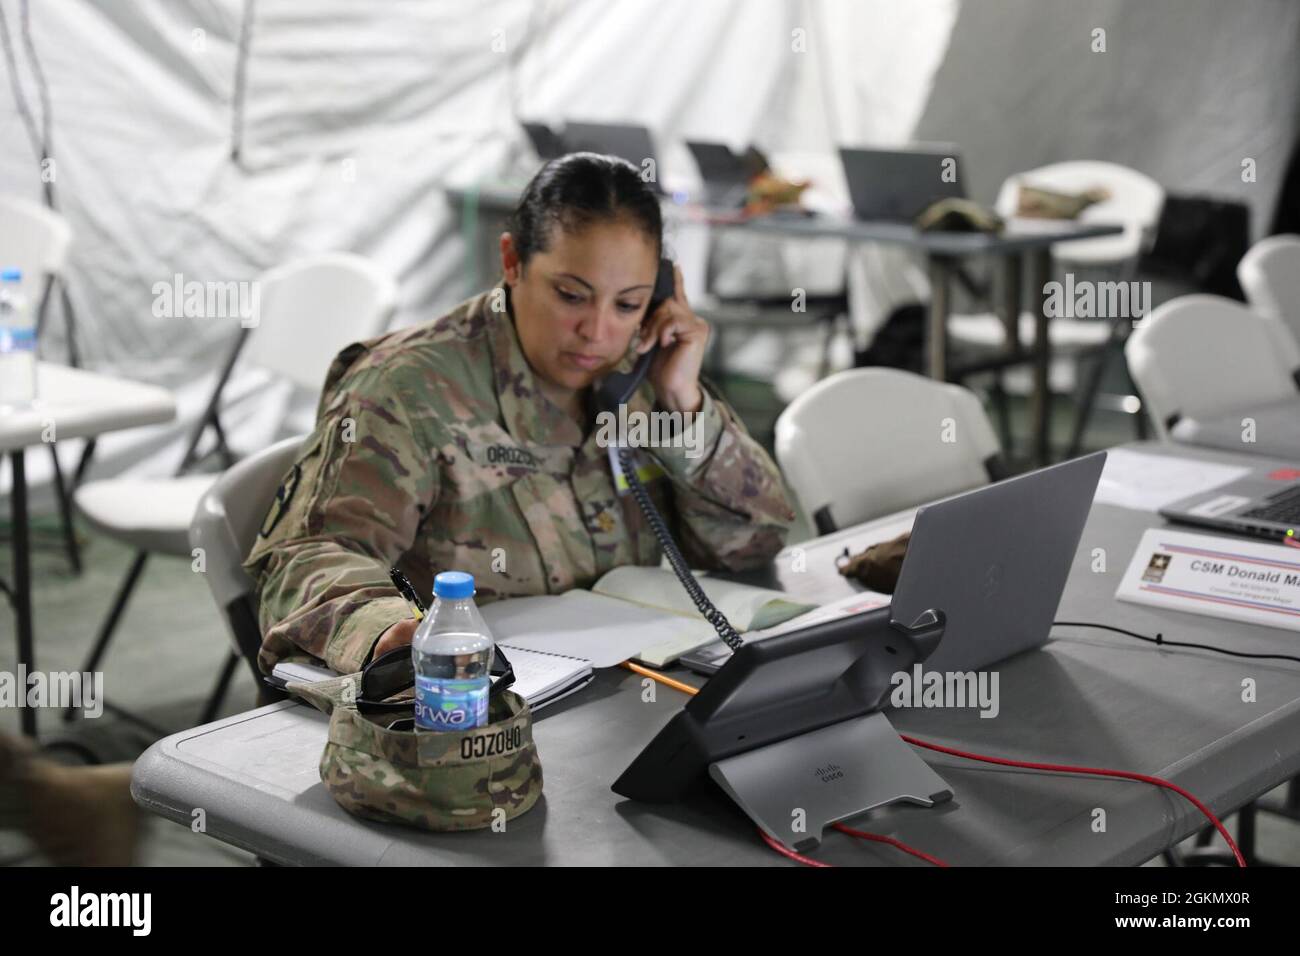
65 512
1002 405
110 622
218 695
1203 855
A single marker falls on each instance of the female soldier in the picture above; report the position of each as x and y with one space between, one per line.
469 443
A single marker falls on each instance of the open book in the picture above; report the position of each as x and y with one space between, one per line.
633 612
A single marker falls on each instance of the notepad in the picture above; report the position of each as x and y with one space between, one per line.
541 678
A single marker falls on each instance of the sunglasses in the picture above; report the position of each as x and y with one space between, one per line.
394 672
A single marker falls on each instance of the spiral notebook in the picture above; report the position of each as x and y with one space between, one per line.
541 677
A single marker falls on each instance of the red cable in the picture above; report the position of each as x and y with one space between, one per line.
861 835
1007 762
899 844
797 857
1094 771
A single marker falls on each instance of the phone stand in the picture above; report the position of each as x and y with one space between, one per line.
790 727
796 788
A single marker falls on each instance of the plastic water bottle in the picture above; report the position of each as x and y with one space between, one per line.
452 652
17 343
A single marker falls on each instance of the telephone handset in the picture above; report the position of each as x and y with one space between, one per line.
616 389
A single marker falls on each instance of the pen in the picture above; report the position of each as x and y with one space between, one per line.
405 590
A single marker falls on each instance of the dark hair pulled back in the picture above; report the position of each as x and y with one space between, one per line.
577 189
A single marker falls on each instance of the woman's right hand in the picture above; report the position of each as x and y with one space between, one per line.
397 635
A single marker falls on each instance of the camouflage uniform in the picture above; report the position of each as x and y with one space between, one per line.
435 450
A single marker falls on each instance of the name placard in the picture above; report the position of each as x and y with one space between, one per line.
1221 577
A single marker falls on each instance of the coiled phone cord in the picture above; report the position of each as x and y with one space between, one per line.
710 613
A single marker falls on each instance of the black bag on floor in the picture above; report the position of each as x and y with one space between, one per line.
900 342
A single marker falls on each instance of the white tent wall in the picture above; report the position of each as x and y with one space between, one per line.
355 115
1185 91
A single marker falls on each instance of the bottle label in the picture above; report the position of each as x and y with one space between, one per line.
17 340
443 704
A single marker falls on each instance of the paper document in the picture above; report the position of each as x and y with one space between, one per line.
844 607
1221 577
1147 482
634 612
604 630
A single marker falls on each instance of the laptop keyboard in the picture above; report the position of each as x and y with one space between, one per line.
1284 508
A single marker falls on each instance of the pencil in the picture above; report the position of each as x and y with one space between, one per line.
654 675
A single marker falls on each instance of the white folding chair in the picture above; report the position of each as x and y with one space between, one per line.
868 442
1269 274
310 310
1136 201
34 239
225 525
1200 356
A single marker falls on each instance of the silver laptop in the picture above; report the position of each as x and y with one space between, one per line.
1265 504
726 175
547 143
994 560
896 185
623 140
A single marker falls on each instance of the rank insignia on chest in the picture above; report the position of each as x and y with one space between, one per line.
647 469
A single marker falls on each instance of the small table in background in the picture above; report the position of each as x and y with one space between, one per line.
78 404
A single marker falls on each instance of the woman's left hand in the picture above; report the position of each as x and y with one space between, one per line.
683 336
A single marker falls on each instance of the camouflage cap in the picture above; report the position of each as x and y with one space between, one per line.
438 781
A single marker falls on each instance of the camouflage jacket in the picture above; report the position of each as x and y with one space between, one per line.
435 450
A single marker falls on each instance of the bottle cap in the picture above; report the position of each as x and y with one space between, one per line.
453 585
11 275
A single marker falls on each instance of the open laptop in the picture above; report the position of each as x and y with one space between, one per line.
1258 505
726 176
896 185
546 142
624 140
994 560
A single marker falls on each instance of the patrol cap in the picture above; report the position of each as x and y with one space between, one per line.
375 767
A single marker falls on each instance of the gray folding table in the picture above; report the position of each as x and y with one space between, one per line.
1087 698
